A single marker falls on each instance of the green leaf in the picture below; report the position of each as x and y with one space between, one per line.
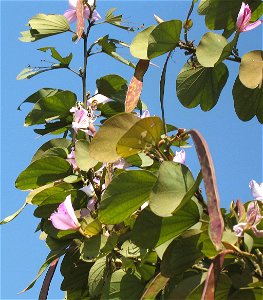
151 230
57 127
111 108
30 72
14 215
49 191
163 38
53 255
210 49
203 7
91 247
143 135
126 193
251 69
174 180
65 61
50 204
42 93
108 46
43 171
96 276
75 272
112 86
43 26
248 102
83 158
103 146
116 20
140 160
122 286
139 45
51 108
198 85
180 255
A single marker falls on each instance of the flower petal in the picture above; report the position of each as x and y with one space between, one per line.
239 229
256 190
71 15
70 210
65 218
240 15
252 25
72 3
180 157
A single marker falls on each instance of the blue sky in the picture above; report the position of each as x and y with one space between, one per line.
236 146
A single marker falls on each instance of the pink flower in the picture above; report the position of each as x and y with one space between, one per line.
252 220
83 119
180 157
244 17
64 218
71 14
256 190
71 159
239 229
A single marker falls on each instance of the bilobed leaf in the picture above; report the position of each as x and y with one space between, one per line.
43 171
216 224
174 180
248 102
210 49
251 69
112 86
143 135
14 215
42 93
126 193
135 86
83 159
51 108
42 26
151 230
180 255
163 38
139 45
54 53
198 85
103 146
